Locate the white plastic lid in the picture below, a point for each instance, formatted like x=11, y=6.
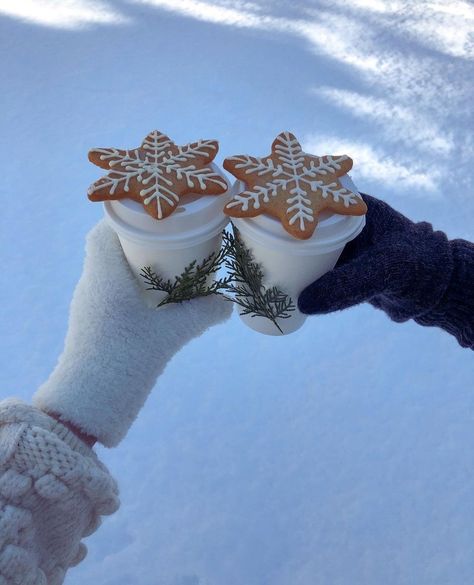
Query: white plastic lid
x=195, y=216
x=332, y=231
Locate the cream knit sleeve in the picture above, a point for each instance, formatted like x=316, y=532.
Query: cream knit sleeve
x=53, y=490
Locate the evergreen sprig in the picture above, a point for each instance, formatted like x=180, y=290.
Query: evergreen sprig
x=193, y=282
x=246, y=283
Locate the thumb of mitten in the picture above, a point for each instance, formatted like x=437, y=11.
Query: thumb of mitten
x=106, y=272
x=346, y=285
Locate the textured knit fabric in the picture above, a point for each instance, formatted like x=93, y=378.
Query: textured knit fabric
x=53, y=490
x=404, y=268
x=116, y=346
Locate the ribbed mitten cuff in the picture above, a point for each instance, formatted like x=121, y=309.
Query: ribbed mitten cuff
x=455, y=311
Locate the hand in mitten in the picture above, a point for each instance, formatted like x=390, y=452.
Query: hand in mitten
x=404, y=268
x=116, y=346
x=53, y=490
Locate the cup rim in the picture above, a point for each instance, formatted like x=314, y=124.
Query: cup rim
x=175, y=241
x=299, y=247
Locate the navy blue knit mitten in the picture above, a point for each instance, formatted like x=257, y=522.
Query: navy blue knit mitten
x=404, y=268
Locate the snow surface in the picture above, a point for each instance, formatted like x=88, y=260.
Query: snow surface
x=341, y=454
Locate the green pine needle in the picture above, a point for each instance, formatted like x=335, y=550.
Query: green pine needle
x=192, y=283
x=246, y=283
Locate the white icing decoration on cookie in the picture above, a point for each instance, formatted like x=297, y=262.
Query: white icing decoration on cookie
x=155, y=168
x=291, y=175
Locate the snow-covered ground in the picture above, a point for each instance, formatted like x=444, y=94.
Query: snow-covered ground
x=340, y=454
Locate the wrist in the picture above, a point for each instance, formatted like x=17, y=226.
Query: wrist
x=89, y=440
x=455, y=310
x=418, y=272
x=426, y=271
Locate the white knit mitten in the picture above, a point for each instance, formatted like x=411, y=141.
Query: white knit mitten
x=116, y=346
x=53, y=490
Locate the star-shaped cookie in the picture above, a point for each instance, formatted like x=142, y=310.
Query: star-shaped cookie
x=157, y=173
x=292, y=186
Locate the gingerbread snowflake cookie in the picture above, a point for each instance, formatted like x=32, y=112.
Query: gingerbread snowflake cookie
x=157, y=173
x=292, y=186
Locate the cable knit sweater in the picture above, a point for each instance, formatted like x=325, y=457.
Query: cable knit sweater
x=53, y=490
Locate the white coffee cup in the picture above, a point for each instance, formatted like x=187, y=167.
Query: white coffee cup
x=192, y=232
x=292, y=264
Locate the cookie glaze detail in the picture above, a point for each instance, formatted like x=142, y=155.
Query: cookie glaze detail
x=292, y=186
x=157, y=173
